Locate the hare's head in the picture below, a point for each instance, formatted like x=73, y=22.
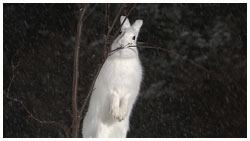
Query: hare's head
x=127, y=38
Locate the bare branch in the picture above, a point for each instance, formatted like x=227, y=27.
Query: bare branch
x=92, y=10
x=76, y=118
x=34, y=117
x=104, y=30
x=116, y=18
x=217, y=76
x=108, y=15
x=31, y=115
x=13, y=74
x=114, y=51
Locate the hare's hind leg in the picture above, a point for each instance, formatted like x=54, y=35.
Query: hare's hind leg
x=118, y=130
x=89, y=131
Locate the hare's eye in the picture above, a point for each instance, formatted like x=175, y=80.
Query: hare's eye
x=133, y=38
x=120, y=32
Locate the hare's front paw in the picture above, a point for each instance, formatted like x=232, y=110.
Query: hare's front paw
x=122, y=113
x=118, y=113
x=115, y=104
x=114, y=111
x=118, y=106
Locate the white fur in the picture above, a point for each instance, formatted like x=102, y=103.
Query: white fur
x=116, y=88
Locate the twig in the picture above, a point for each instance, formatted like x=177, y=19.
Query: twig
x=13, y=74
x=6, y=94
x=76, y=116
x=104, y=30
x=35, y=118
x=92, y=10
x=111, y=28
x=105, y=19
x=114, y=51
x=108, y=16
x=116, y=18
x=182, y=57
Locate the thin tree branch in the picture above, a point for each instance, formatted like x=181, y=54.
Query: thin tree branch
x=114, y=51
x=111, y=28
x=105, y=19
x=108, y=16
x=92, y=10
x=116, y=18
x=201, y=67
x=31, y=115
x=104, y=30
x=34, y=117
x=76, y=116
x=13, y=74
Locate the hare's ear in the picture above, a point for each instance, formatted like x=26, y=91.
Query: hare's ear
x=126, y=23
x=137, y=25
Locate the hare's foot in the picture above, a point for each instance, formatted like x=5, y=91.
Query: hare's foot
x=119, y=107
x=123, y=111
x=114, y=111
x=115, y=104
x=118, y=113
x=122, y=114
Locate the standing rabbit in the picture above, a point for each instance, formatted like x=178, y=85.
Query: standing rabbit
x=116, y=87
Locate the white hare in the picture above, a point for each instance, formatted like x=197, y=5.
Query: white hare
x=116, y=87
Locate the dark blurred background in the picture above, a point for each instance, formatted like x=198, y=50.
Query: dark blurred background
x=177, y=99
